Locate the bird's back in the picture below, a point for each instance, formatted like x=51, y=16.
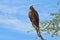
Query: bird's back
x=33, y=15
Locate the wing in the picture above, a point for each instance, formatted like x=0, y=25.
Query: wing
x=34, y=17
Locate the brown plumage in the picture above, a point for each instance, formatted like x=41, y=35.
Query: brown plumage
x=34, y=18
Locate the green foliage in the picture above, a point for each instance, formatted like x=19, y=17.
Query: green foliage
x=51, y=27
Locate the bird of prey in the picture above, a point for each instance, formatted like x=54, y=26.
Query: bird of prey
x=34, y=18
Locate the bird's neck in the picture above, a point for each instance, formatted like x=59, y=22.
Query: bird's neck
x=31, y=10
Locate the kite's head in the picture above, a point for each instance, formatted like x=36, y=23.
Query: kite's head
x=31, y=7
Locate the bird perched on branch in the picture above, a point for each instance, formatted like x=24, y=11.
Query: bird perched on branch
x=34, y=18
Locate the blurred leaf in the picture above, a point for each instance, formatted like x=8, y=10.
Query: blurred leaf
x=30, y=31
x=53, y=14
x=58, y=2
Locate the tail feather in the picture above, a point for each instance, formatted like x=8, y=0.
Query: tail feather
x=38, y=32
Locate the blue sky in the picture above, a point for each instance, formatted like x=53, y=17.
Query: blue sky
x=14, y=21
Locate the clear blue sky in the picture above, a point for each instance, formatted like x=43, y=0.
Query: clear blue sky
x=14, y=21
